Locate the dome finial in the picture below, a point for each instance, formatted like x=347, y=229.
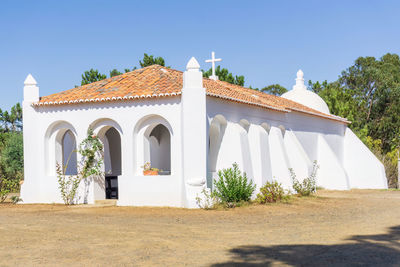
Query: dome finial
x=300, y=74
x=300, y=81
x=301, y=95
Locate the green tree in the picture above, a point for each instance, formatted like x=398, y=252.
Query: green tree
x=16, y=117
x=338, y=99
x=11, y=121
x=151, y=60
x=274, y=89
x=91, y=76
x=224, y=75
x=11, y=155
x=4, y=120
x=368, y=94
x=115, y=72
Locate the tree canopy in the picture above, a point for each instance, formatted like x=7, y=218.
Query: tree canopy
x=368, y=94
x=151, y=60
x=91, y=76
x=224, y=75
x=274, y=89
x=11, y=121
x=115, y=72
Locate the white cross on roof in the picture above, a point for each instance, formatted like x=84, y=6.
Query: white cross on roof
x=213, y=60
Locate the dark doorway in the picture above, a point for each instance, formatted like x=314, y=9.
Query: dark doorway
x=111, y=187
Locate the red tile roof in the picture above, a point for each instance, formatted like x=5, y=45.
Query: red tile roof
x=158, y=81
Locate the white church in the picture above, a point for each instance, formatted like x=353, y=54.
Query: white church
x=188, y=127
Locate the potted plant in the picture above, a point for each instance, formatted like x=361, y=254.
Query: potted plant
x=148, y=170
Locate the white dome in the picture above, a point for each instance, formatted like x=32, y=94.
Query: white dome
x=301, y=95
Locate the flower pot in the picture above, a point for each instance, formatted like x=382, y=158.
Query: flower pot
x=150, y=172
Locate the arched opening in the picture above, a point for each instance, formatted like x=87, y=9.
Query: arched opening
x=216, y=133
x=159, y=141
x=153, y=138
x=109, y=132
x=60, y=148
x=69, y=154
x=112, y=161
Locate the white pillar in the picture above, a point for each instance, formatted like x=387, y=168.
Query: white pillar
x=30, y=189
x=31, y=90
x=194, y=132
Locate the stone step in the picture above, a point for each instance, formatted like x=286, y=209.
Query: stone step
x=106, y=202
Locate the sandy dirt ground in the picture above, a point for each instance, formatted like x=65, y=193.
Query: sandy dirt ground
x=359, y=227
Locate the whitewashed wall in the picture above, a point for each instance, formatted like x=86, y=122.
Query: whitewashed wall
x=40, y=186
x=294, y=141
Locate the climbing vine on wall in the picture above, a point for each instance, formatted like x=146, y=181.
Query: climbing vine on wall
x=91, y=164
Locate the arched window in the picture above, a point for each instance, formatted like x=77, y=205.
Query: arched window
x=216, y=134
x=60, y=148
x=112, y=152
x=69, y=152
x=153, y=137
x=160, y=149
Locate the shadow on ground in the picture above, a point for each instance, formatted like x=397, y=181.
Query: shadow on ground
x=360, y=250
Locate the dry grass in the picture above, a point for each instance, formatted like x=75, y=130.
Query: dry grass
x=334, y=228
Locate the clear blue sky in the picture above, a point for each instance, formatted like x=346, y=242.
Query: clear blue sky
x=266, y=41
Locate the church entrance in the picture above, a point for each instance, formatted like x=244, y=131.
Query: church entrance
x=111, y=185
x=112, y=162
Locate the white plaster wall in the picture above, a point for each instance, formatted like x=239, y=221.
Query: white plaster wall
x=230, y=150
x=297, y=157
x=265, y=158
x=261, y=154
x=307, y=138
x=307, y=128
x=330, y=174
x=362, y=167
x=279, y=160
x=42, y=187
x=260, y=157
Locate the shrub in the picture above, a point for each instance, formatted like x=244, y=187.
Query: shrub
x=207, y=201
x=68, y=185
x=309, y=184
x=271, y=192
x=232, y=187
x=7, y=185
x=16, y=199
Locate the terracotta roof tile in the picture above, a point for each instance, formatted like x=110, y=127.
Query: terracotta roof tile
x=158, y=81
